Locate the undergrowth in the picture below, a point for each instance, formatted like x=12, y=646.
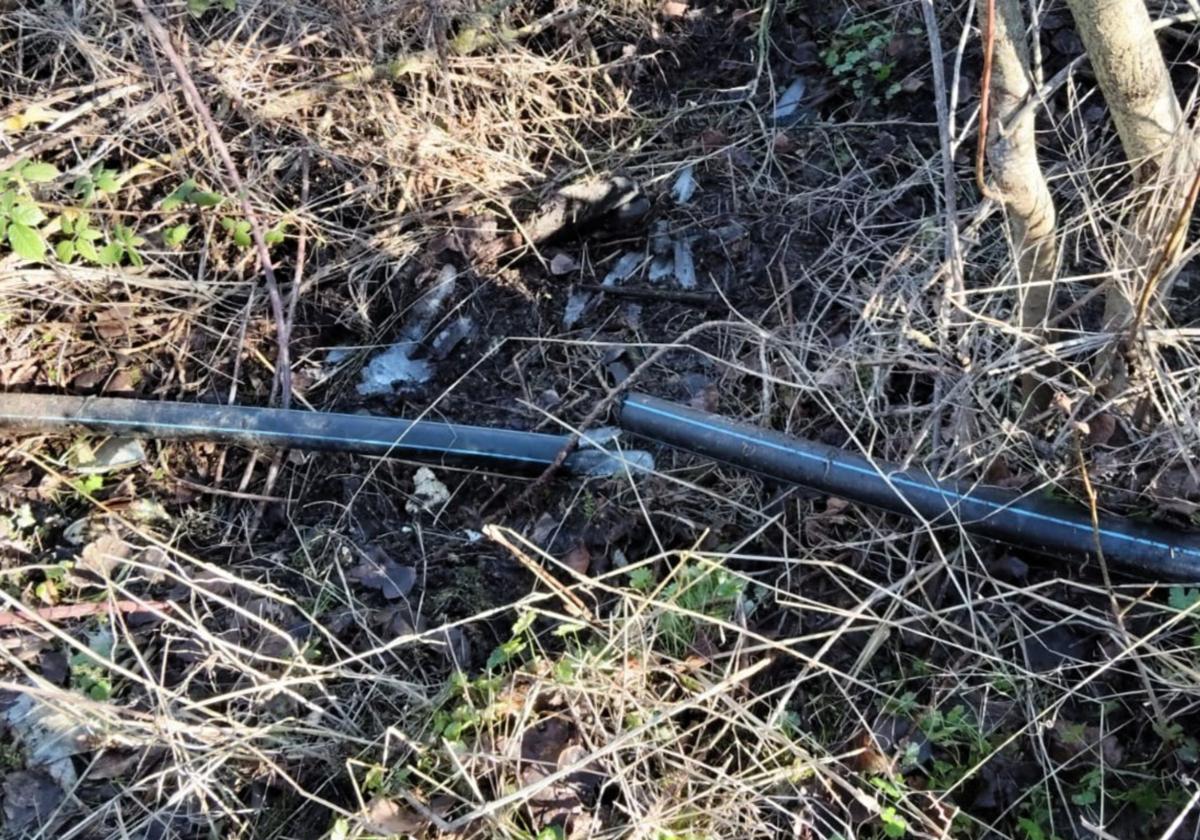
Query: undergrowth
x=208, y=641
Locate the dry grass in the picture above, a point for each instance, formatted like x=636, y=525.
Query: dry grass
x=768, y=664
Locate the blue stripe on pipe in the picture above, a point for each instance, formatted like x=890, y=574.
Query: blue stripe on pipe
x=192, y=427
x=903, y=481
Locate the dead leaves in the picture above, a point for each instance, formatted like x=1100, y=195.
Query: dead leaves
x=388, y=817
x=1070, y=740
x=547, y=747
x=387, y=577
x=30, y=798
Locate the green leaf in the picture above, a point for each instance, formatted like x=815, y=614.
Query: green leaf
x=176, y=199
x=1085, y=797
x=85, y=188
x=86, y=249
x=89, y=235
x=36, y=172
x=90, y=484
x=1178, y=598
x=106, y=180
x=100, y=690
x=65, y=250
x=205, y=199
x=111, y=254
x=66, y=224
x=46, y=592
x=240, y=230
x=524, y=622
x=173, y=237
x=505, y=652
x=26, y=242
x=27, y=214
x=894, y=825
x=196, y=8
x=276, y=234
x=1033, y=831
x=229, y=5
x=641, y=579
x=373, y=781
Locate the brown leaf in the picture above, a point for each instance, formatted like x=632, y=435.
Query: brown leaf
x=835, y=505
x=712, y=139
x=706, y=399
x=997, y=471
x=1070, y=739
x=578, y=559
x=113, y=764
x=386, y=577
x=386, y=817
x=88, y=380
x=673, y=8
x=1101, y=429
x=563, y=263
x=102, y=555
x=121, y=383
x=30, y=797
x=545, y=748
x=110, y=324
x=1008, y=566
x=54, y=667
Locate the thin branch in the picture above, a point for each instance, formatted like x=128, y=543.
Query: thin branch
x=985, y=93
x=283, y=366
x=65, y=612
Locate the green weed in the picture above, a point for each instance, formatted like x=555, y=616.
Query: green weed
x=857, y=58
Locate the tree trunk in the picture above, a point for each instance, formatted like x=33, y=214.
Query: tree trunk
x=1018, y=179
x=1133, y=77
x=1129, y=66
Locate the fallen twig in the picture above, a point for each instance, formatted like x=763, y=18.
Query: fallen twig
x=605, y=402
x=572, y=601
x=704, y=300
x=12, y=618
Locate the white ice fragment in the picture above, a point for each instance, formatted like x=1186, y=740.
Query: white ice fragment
x=577, y=304
x=428, y=494
x=114, y=454
x=397, y=364
x=685, y=185
x=624, y=268
x=685, y=268
x=601, y=463
x=789, y=102
x=660, y=269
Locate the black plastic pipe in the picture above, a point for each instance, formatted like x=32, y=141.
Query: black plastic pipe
x=1040, y=524
x=420, y=440
x=1022, y=520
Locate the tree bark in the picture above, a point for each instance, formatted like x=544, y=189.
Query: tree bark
x=1018, y=180
x=1133, y=77
x=1129, y=66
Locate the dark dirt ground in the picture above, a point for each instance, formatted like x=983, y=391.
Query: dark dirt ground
x=520, y=363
